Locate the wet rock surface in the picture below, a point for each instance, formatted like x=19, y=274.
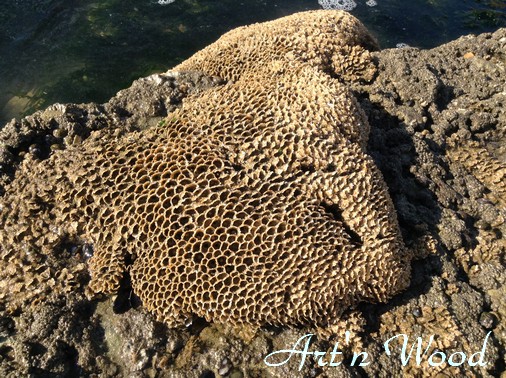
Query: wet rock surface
x=438, y=134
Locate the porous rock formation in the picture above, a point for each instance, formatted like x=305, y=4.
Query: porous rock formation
x=333, y=42
x=436, y=119
x=254, y=203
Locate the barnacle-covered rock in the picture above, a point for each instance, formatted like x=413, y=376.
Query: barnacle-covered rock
x=255, y=203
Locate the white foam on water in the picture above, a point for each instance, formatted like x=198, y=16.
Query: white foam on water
x=371, y=3
x=165, y=2
x=346, y=5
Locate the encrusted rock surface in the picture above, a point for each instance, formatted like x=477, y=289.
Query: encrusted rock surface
x=437, y=134
x=253, y=204
x=144, y=104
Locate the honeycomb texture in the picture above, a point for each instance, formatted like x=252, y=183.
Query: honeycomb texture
x=255, y=203
x=487, y=168
x=334, y=42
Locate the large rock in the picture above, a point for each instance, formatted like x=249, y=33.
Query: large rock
x=437, y=134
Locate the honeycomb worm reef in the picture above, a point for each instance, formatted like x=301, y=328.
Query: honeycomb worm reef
x=254, y=203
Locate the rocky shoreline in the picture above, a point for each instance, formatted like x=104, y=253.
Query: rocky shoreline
x=438, y=134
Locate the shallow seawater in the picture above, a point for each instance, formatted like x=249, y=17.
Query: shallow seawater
x=81, y=51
